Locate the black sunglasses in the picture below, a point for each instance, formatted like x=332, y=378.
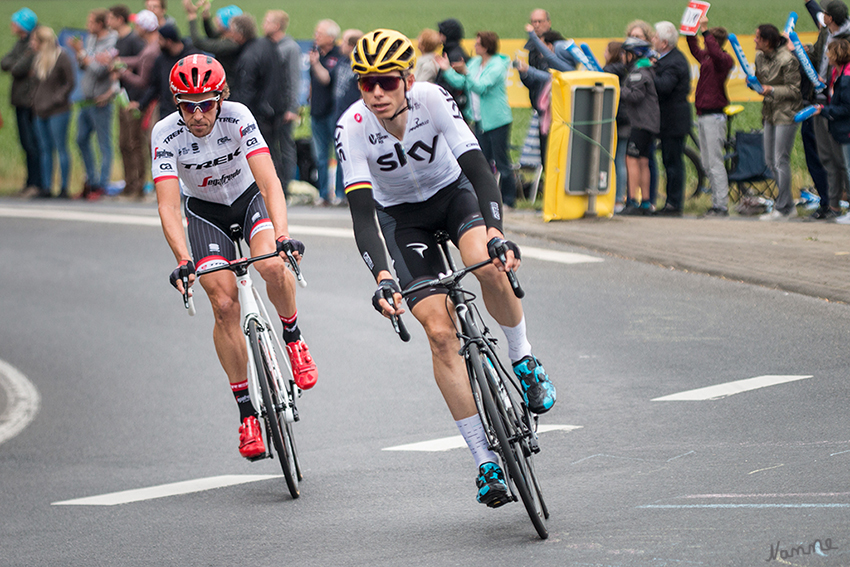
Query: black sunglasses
x=387, y=82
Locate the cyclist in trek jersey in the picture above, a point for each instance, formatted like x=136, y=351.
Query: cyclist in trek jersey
x=410, y=161
x=215, y=149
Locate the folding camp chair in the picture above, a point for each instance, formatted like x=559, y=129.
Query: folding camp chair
x=748, y=173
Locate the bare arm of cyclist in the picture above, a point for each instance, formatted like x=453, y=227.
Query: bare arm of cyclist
x=168, y=199
x=262, y=168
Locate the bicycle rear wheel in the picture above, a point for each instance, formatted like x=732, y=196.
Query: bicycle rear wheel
x=513, y=446
x=279, y=428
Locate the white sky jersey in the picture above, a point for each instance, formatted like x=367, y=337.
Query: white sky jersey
x=409, y=170
x=213, y=168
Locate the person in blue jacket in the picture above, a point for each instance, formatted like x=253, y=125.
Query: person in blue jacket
x=483, y=78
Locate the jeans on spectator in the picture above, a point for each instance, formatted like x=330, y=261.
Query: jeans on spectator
x=672, y=149
x=278, y=136
x=323, y=131
x=817, y=171
x=845, y=148
x=95, y=119
x=494, y=143
x=778, y=143
x=620, y=168
x=131, y=143
x=712, y=139
x=53, y=137
x=832, y=158
x=28, y=136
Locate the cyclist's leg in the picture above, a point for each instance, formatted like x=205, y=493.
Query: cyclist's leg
x=506, y=309
x=211, y=246
x=228, y=337
x=499, y=298
x=452, y=379
x=280, y=287
x=449, y=368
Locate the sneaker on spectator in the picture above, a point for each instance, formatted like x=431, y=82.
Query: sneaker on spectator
x=775, y=215
x=715, y=212
x=303, y=368
x=843, y=219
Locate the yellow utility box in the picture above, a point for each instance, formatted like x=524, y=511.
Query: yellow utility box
x=582, y=143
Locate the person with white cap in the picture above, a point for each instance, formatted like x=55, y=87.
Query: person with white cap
x=18, y=62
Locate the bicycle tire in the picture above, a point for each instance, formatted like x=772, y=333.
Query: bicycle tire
x=277, y=425
x=520, y=428
x=506, y=435
x=697, y=172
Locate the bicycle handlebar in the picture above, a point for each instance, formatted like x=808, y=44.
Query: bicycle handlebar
x=447, y=280
x=238, y=265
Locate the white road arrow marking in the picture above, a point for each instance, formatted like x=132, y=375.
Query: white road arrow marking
x=22, y=401
x=457, y=442
x=163, y=490
x=729, y=388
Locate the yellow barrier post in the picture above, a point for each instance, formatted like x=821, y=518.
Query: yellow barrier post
x=579, y=166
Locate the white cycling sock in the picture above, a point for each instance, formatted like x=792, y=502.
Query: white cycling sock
x=518, y=345
x=473, y=433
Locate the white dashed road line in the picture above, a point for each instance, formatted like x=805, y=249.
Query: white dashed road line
x=729, y=388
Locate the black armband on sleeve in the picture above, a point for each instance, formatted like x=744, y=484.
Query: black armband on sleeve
x=477, y=170
x=366, y=231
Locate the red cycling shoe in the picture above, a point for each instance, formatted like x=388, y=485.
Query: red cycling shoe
x=303, y=367
x=251, y=438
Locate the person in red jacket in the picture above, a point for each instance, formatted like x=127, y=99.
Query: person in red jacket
x=711, y=98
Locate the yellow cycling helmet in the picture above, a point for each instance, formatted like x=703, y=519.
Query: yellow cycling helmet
x=382, y=51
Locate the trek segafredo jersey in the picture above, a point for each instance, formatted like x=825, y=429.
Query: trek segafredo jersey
x=409, y=170
x=213, y=168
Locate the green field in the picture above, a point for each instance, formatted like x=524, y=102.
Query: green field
x=605, y=18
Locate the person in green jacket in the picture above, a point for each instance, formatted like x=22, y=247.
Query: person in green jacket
x=483, y=78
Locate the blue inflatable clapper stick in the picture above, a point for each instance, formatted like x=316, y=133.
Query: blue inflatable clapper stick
x=752, y=81
x=594, y=64
x=806, y=113
x=577, y=53
x=805, y=63
x=791, y=22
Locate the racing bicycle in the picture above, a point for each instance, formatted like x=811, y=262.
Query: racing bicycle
x=510, y=427
x=270, y=384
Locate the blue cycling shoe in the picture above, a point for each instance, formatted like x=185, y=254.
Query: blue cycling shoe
x=537, y=390
x=492, y=490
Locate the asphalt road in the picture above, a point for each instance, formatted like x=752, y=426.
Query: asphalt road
x=131, y=396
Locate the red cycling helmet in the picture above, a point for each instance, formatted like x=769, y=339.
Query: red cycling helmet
x=197, y=74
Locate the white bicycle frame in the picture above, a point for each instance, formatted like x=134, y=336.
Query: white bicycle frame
x=252, y=308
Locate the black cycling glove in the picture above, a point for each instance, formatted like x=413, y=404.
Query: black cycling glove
x=293, y=245
x=184, y=269
x=498, y=246
x=386, y=286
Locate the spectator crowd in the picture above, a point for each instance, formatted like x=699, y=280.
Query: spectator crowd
x=123, y=64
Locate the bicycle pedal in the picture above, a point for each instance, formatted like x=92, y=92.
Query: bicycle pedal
x=265, y=455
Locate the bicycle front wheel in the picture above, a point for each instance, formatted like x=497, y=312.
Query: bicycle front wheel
x=502, y=419
x=279, y=428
